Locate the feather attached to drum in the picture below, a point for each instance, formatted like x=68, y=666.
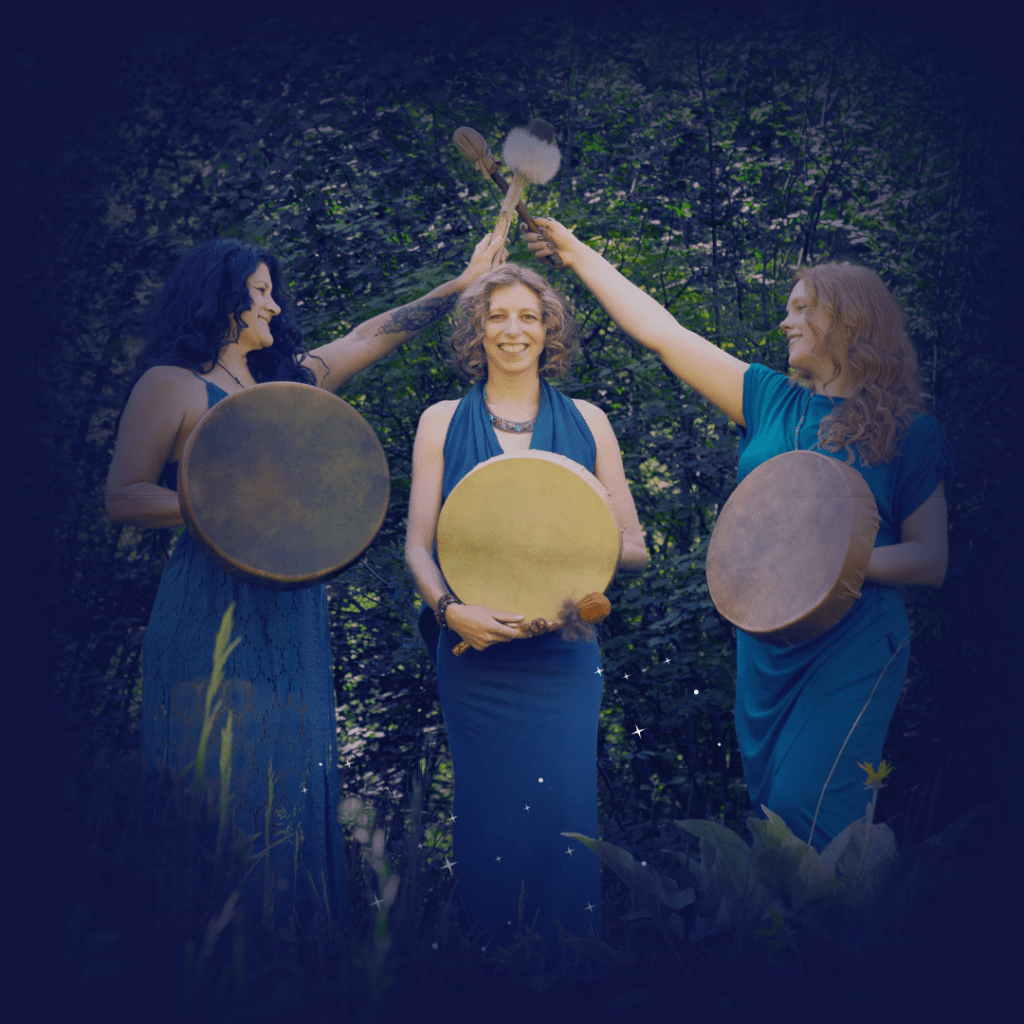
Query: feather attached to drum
x=788, y=554
x=283, y=484
x=535, y=533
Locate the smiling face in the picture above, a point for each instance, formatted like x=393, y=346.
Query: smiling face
x=255, y=333
x=806, y=327
x=514, y=331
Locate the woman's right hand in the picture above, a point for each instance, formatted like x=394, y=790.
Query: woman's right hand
x=555, y=239
x=480, y=627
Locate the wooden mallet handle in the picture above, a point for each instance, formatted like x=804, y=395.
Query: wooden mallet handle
x=470, y=143
x=592, y=608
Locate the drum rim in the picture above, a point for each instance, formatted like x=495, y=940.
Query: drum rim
x=234, y=567
x=553, y=458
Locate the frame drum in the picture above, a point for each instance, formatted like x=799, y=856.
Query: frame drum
x=789, y=551
x=522, y=532
x=283, y=484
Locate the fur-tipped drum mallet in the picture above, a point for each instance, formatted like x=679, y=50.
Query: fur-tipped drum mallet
x=470, y=143
x=576, y=621
x=534, y=158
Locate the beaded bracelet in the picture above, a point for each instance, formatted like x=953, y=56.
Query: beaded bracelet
x=442, y=608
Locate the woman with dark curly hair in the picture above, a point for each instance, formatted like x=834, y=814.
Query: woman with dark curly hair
x=807, y=714
x=521, y=713
x=223, y=324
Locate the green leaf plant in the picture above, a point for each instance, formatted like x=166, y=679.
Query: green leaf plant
x=754, y=892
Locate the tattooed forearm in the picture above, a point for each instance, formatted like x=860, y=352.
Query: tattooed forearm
x=418, y=315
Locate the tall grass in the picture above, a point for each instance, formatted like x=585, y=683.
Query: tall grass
x=163, y=909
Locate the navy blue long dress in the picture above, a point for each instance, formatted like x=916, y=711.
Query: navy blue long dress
x=795, y=705
x=279, y=686
x=522, y=727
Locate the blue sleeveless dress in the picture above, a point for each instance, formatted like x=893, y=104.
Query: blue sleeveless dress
x=279, y=686
x=796, y=705
x=522, y=727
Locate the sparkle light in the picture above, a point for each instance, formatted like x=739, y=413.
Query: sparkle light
x=637, y=731
x=450, y=865
x=589, y=906
x=696, y=692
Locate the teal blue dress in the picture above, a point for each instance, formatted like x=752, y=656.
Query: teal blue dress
x=280, y=688
x=796, y=705
x=522, y=728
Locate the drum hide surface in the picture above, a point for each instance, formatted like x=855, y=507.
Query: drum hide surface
x=283, y=484
x=790, y=548
x=522, y=532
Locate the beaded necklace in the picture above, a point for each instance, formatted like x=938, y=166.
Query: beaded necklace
x=509, y=426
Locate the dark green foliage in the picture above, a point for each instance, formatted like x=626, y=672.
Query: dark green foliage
x=706, y=160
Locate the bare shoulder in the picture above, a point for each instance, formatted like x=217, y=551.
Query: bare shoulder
x=594, y=416
x=435, y=418
x=168, y=381
x=166, y=399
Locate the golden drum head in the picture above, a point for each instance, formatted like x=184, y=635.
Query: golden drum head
x=789, y=551
x=522, y=532
x=283, y=484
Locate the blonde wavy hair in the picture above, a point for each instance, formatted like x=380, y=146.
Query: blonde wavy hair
x=467, y=341
x=866, y=321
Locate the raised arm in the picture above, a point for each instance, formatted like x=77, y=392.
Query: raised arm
x=717, y=375
x=480, y=626
x=338, y=360
x=923, y=551
x=608, y=469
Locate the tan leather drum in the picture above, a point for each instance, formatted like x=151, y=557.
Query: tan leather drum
x=789, y=551
x=283, y=484
x=522, y=532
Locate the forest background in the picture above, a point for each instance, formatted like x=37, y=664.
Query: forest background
x=707, y=154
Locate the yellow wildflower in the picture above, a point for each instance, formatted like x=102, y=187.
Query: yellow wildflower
x=875, y=779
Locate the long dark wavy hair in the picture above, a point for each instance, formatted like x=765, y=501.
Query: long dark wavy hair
x=193, y=317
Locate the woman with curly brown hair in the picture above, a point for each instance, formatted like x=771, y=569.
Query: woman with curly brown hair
x=807, y=714
x=521, y=712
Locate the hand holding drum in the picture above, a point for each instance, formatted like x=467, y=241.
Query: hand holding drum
x=536, y=532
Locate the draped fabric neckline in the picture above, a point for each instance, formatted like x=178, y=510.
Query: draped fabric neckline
x=471, y=439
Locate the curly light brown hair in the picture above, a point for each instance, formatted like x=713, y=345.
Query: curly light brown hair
x=467, y=341
x=866, y=321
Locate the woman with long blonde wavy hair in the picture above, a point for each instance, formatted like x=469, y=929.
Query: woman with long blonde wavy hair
x=806, y=715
